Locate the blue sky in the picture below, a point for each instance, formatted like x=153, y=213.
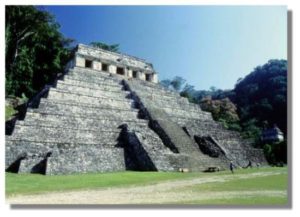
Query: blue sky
x=206, y=45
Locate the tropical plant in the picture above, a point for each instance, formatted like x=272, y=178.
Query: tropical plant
x=112, y=47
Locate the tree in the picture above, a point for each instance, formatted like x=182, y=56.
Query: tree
x=35, y=50
x=165, y=83
x=113, y=47
x=222, y=110
x=189, y=92
x=262, y=95
x=177, y=83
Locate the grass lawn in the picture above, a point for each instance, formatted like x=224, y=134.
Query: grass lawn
x=32, y=183
x=265, y=190
x=263, y=186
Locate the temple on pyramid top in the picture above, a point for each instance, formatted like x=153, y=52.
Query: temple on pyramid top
x=112, y=62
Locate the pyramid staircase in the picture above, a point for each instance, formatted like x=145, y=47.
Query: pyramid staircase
x=197, y=123
x=92, y=121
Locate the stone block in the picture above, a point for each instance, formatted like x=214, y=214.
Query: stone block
x=79, y=61
x=112, y=69
x=97, y=65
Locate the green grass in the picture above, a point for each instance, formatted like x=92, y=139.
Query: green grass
x=240, y=201
x=9, y=112
x=272, y=182
x=32, y=183
x=233, y=183
x=242, y=186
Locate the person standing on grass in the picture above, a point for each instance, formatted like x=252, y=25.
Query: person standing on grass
x=231, y=167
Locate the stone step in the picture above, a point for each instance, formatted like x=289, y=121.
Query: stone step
x=58, y=107
x=51, y=120
x=87, y=161
x=95, y=80
x=157, y=95
x=92, y=81
x=88, y=78
x=67, y=135
x=182, y=120
x=61, y=85
x=152, y=149
x=72, y=156
x=183, y=107
x=85, y=105
x=139, y=88
x=175, y=116
x=217, y=133
x=94, y=74
x=55, y=94
x=189, y=107
x=163, y=104
x=104, y=87
x=33, y=115
x=40, y=148
x=185, y=113
x=152, y=87
x=200, y=126
x=234, y=143
x=196, y=122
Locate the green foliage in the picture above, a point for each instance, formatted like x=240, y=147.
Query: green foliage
x=262, y=95
x=176, y=83
x=35, y=50
x=179, y=84
x=9, y=112
x=166, y=83
x=113, y=47
x=222, y=110
x=188, y=91
x=276, y=153
x=251, y=130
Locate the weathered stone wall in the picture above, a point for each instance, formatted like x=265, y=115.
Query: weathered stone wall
x=99, y=59
x=113, y=57
x=64, y=158
x=79, y=61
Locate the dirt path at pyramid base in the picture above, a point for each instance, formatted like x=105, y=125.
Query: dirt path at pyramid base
x=167, y=192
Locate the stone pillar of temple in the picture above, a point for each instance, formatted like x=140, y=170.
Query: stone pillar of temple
x=79, y=61
x=154, y=78
x=112, y=69
x=129, y=73
x=141, y=75
x=97, y=65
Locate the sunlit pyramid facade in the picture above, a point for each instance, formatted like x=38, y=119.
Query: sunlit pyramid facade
x=109, y=113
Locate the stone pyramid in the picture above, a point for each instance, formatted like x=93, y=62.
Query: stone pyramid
x=109, y=114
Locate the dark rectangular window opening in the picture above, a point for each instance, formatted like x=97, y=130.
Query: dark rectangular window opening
x=88, y=64
x=104, y=67
x=148, y=77
x=120, y=71
x=134, y=74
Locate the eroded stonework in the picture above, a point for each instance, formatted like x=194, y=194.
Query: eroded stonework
x=96, y=120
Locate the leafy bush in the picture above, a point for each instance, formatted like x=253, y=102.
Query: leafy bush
x=276, y=153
